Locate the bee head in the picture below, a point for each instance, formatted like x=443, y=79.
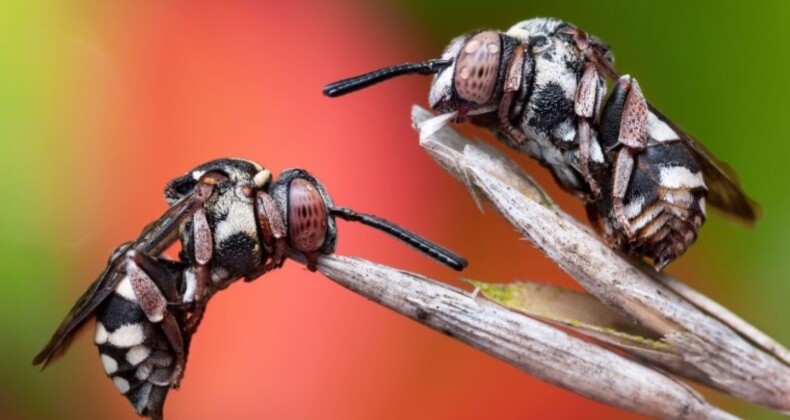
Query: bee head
x=309, y=216
x=468, y=78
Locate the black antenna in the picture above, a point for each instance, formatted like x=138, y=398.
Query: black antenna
x=444, y=256
x=368, y=79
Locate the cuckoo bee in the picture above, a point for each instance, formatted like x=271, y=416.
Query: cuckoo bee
x=233, y=222
x=541, y=87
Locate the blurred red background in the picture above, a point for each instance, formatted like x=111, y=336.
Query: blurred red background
x=169, y=86
x=159, y=88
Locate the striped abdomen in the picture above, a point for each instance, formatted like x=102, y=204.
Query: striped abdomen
x=664, y=204
x=135, y=352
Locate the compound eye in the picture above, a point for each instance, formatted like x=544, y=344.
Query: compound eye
x=307, y=216
x=477, y=67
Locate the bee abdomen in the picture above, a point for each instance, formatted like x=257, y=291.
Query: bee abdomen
x=135, y=353
x=665, y=230
x=665, y=203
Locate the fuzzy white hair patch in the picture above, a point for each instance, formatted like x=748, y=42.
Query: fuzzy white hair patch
x=127, y=335
x=680, y=177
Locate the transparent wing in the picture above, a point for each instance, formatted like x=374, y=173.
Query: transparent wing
x=724, y=190
x=154, y=239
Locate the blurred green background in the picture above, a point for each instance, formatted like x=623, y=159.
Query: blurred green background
x=718, y=69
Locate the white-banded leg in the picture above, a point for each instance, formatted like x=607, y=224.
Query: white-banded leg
x=513, y=79
x=588, y=98
x=154, y=305
x=272, y=229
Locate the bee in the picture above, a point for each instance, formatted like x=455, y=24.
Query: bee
x=233, y=222
x=541, y=88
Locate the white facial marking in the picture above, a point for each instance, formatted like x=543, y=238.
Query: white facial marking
x=127, y=336
x=191, y=283
x=100, y=337
x=262, y=178
x=121, y=383
x=659, y=130
x=196, y=175
x=137, y=354
x=124, y=290
x=702, y=206
x=680, y=177
x=110, y=365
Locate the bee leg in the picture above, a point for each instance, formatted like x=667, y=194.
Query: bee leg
x=633, y=124
x=312, y=260
x=272, y=231
x=595, y=50
x=624, y=117
x=624, y=125
x=513, y=78
x=154, y=304
x=588, y=100
x=624, y=167
x=204, y=249
x=585, y=144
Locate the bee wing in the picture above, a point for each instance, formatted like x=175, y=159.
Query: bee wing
x=153, y=240
x=724, y=190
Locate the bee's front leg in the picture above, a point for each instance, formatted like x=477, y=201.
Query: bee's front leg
x=513, y=82
x=273, y=234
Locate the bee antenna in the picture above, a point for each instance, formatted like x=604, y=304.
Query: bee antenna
x=438, y=253
x=368, y=79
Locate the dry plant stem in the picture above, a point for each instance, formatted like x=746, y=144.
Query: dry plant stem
x=530, y=345
x=724, y=315
x=733, y=363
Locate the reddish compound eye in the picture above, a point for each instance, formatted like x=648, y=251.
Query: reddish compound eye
x=477, y=67
x=307, y=216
